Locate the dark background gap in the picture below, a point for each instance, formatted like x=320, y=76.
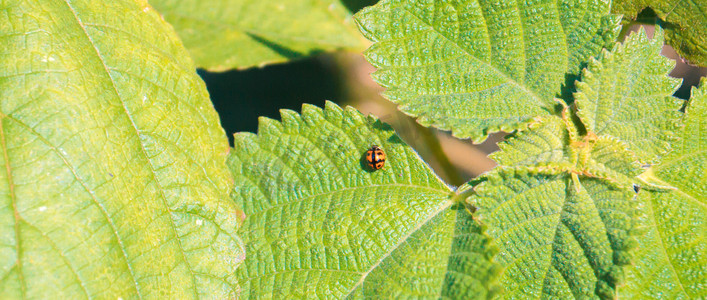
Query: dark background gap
x=240, y=97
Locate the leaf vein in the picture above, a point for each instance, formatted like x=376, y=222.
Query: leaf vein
x=142, y=147
x=400, y=242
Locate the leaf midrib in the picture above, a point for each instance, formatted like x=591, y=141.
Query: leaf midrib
x=142, y=152
x=494, y=68
x=663, y=248
x=667, y=182
x=365, y=274
x=439, y=191
x=563, y=211
x=13, y=199
x=83, y=184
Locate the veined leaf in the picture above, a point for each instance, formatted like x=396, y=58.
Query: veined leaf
x=559, y=237
x=627, y=94
x=560, y=207
x=673, y=251
x=544, y=141
x=114, y=182
x=321, y=224
x=222, y=35
x=551, y=144
x=685, y=28
x=478, y=66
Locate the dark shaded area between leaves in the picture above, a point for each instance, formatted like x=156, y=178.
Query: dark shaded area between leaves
x=240, y=97
x=355, y=5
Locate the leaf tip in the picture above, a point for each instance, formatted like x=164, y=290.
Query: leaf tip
x=268, y=126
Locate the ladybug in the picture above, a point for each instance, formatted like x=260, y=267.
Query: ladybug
x=375, y=157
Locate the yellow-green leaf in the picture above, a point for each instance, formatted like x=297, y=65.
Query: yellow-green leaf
x=673, y=250
x=113, y=181
x=222, y=35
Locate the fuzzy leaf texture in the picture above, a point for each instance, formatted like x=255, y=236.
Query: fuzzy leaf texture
x=626, y=93
x=223, y=34
x=685, y=23
x=321, y=224
x=113, y=182
x=476, y=66
x=560, y=207
x=672, y=258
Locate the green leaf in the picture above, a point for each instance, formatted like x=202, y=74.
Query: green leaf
x=114, y=182
x=223, y=34
x=560, y=206
x=550, y=144
x=673, y=251
x=544, y=141
x=626, y=94
x=559, y=236
x=473, y=67
x=321, y=224
x=686, y=23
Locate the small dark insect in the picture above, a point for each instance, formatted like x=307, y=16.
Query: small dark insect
x=375, y=157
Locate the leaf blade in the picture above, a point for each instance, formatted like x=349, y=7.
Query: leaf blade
x=558, y=236
x=560, y=207
x=615, y=86
x=97, y=187
x=315, y=209
x=673, y=249
x=224, y=35
x=475, y=67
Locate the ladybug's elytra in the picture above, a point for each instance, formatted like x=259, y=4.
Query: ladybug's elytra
x=375, y=157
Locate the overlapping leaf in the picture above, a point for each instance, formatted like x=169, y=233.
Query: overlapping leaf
x=114, y=183
x=560, y=209
x=559, y=237
x=478, y=66
x=673, y=250
x=627, y=94
x=685, y=24
x=551, y=144
x=321, y=224
x=223, y=34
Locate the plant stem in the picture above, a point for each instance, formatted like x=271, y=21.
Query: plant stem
x=434, y=147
